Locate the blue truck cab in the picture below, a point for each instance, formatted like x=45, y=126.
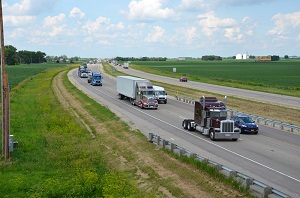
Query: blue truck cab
x=96, y=79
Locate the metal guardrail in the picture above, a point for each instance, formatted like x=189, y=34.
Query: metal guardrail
x=256, y=187
x=257, y=119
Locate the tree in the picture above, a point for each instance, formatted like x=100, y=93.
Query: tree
x=11, y=55
x=286, y=57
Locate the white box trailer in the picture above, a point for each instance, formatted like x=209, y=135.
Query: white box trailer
x=126, y=86
x=138, y=90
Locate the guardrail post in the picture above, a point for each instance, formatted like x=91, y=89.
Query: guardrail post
x=158, y=140
x=162, y=143
x=260, y=190
x=215, y=165
x=173, y=146
x=245, y=180
x=191, y=155
x=150, y=137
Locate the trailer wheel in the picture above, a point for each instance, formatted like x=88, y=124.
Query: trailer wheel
x=212, y=135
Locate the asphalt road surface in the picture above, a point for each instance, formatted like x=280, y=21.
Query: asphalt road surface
x=272, y=156
x=282, y=100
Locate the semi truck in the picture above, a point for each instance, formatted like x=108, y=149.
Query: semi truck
x=95, y=78
x=139, y=91
x=160, y=94
x=210, y=118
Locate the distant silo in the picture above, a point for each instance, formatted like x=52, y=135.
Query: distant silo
x=245, y=56
x=239, y=56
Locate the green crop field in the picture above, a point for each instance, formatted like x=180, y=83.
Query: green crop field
x=18, y=73
x=280, y=74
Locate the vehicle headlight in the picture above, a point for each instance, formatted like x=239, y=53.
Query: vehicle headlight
x=244, y=126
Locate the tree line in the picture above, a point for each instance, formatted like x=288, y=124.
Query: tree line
x=118, y=58
x=14, y=57
x=211, y=58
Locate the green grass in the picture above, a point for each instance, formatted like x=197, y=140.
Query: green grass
x=18, y=73
x=275, y=112
x=280, y=77
x=56, y=157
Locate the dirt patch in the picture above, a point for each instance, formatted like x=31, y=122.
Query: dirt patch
x=154, y=169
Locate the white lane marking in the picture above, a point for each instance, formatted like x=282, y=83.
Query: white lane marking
x=210, y=142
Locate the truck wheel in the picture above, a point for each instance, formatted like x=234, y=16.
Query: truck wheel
x=189, y=128
x=234, y=139
x=165, y=101
x=184, y=125
x=212, y=135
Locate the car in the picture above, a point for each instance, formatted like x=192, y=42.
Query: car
x=246, y=124
x=183, y=79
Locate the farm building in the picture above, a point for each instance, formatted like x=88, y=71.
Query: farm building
x=239, y=56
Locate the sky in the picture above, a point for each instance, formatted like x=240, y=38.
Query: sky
x=153, y=28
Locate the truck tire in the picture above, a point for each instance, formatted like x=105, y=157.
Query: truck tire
x=184, y=124
x=212, y=135
x=234, y=139
x=165, y=101
x=189, y=128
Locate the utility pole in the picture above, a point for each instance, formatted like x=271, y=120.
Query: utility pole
x=5, y=95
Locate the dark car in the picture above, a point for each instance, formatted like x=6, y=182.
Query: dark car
x=183, y=79
x=246, y=124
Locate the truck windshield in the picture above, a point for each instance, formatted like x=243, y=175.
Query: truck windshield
x=97, y=78
x=160, y=92
x=148, y=93
x=218, y=114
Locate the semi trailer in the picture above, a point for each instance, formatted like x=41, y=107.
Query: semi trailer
x=210, y=118
x=139, y=91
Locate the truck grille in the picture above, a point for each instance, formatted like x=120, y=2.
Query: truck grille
x=227, y=126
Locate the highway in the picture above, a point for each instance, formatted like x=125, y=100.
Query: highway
x=271, y=157
x=288, y=101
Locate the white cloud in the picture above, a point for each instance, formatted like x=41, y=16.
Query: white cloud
x=30, y=7
x=156, y=35
x=53, y=21
x=104, y=42
x=241, y=2
x=18, y=20
x=191, y=34
x=118, y=26
x=76, y=13
x=234, y=35
x=193, y=5
x=285, y=24
x=149, y=10
x=17, y=33
x=88, y=39
x=210, y=23
x=92, y=27
x=55, y=25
